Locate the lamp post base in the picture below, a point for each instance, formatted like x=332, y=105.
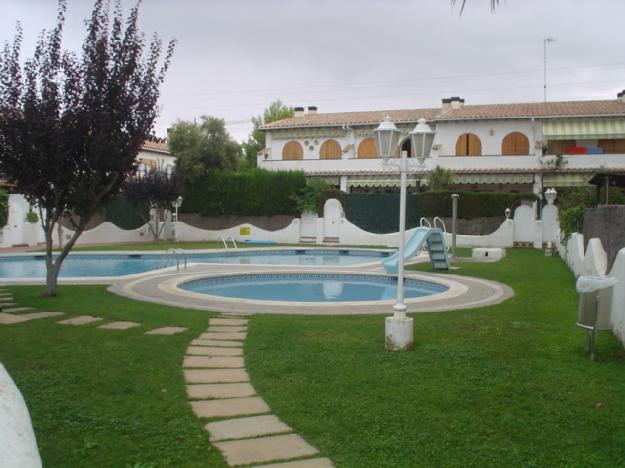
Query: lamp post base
x=399, y=333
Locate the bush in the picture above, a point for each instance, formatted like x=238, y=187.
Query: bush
x=572, y=220
x=4, y=208
x=32, y=217
x=254, y=192
x=471, y=204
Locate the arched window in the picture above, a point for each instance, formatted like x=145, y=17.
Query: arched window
x=292, y=151
x=468, y=144
x=367, y=149
x=515, y=144
x=330, y=149
x=404, y=145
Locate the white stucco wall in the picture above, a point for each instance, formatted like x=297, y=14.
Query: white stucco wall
x=18, y=446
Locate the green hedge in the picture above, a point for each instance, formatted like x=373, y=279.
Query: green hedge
x=379, y=212
x=471, y=204
x=4, y=208
x=126, y=215
x=254, y=192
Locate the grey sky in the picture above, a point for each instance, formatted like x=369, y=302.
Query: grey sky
x=236, y=56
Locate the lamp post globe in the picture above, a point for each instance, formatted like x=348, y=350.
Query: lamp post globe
x=421, y=139
x=386, y=138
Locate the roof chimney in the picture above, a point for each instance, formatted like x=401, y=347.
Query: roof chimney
x=446, y=104
x=312, y=110
x=457, y=102
x=298, y=112
x=621, y=96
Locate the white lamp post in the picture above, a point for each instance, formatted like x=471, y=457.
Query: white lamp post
x=550, y=195
x=399, y=329
x=178, y=204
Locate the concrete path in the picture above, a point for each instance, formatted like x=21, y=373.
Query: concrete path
x=239, y=422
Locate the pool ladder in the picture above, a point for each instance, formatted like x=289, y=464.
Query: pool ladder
x=226, y=244
x=177, y=254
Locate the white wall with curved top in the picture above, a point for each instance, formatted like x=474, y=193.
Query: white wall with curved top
x=18, y=445
x=242, y=232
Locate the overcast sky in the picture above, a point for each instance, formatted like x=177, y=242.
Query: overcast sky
x=236, y=56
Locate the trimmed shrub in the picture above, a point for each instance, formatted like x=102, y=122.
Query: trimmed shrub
x=471, y=204
x=254, y=192
x=4, y=208
x=572, y=220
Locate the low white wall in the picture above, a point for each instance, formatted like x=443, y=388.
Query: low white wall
x=288, y=235
x=594, y=262
x=106, y=233
x=18, y=446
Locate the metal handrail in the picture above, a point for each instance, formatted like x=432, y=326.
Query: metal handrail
x=233, y=242
x=224, y=242
x=441, y=222
x=424, y=221
x=177, y=253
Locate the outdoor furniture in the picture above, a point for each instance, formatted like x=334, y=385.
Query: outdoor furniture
x=589, y=310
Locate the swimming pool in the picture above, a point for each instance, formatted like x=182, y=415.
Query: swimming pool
x=107, y=265
x=310, y=287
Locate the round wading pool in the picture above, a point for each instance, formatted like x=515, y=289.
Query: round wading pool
x=310, y=287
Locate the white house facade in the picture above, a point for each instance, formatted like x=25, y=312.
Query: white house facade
x=511, y=147
x=156, y=154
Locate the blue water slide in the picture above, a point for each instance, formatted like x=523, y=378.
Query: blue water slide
x=432, y=238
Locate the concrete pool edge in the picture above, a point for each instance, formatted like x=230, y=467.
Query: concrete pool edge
x=465, y=292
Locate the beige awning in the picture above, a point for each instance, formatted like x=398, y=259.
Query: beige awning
x=566, y=180
x=493, y=178
x=584, y=129
x=373, y=181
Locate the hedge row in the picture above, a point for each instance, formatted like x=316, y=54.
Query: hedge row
x=254, y=192
x=4, y=208
x=471, y=204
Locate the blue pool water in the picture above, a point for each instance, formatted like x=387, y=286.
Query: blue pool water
x=22, y=266
x=310, y=287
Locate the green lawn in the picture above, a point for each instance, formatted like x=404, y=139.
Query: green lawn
x=506, y=385
x=106, y=397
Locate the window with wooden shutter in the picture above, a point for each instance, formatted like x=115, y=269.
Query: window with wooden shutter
x=330, y=149
x=559, y=147
x=612, y=146
x=468, y=144
x=292, y=151
x=367, y=149
x=515, y=144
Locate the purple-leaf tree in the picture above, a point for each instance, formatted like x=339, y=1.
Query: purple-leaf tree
x=72, y=124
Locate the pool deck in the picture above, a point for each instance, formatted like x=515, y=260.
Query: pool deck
x=463, y=293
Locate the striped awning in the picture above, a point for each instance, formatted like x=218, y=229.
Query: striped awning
x=583, y=129
x=493, y=178
x=373, y=181
x=566, y=180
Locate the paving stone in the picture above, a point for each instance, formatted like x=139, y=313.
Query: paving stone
x=213, y=361
x=17, y=309
x=262, y=449
x=214, y=351
x=229, y=407
x=80, y=320
x=166, y=331
x=228, y=321
x=220, y=390
x=310, y=463
x=220, y=343
x=223, y=336
x=8, y=319
x=220, y=329
x=7, y=304
x=215, y=375
x=244, y=428
x=119, y=325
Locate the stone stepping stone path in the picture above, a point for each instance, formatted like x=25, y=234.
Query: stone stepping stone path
x=166, y=331
x=17, y=309
x=240, y=423
x=80, y=320
x=119, y=325
x=9, y=319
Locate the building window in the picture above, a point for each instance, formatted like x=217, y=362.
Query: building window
x=292, y=151
x=330, y=149
x=614, y=146
x=515, y=144
x=468, y=144
x=559, y=147
x=367, y=149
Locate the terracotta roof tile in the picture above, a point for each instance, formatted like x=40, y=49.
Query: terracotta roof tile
x=614, y=107
x=155, y=146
